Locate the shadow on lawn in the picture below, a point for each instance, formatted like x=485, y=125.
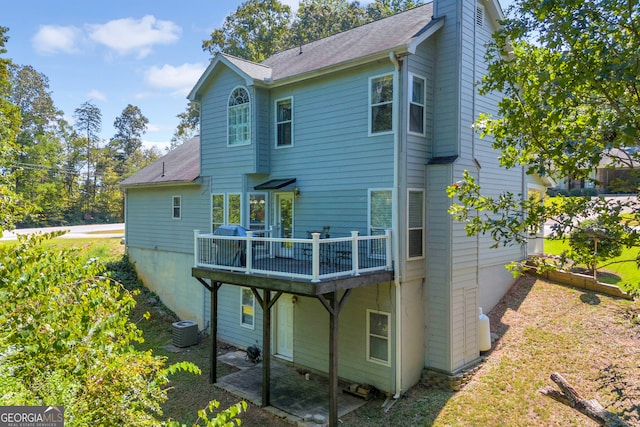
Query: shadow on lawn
x=511, y=301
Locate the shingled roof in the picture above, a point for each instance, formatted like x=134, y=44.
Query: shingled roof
x=398, y=33
x=179, y=166
x=395, y=32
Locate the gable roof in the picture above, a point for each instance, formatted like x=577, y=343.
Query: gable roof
x=399, y=33
x=396, y=32
x=179, y=166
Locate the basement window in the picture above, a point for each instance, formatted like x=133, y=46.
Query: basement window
x=378, y=340
x=248, y=307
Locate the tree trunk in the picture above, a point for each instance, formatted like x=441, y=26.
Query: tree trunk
x=591, y=408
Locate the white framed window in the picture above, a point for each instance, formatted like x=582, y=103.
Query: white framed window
x=378, y=337
x=239, y=117
x=176, y=211
x=380, y=212
x=415, y=225
x=380, y=104
x=247, y=308
x=225, y=209
x=258, y=211
x=217, y=211
x=284, y=122
x=417, y=97
x=234, y=209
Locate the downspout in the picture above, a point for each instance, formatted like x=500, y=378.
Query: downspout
x=396, y=222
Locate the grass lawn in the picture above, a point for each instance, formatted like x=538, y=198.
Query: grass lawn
x=591, y=339
x=620, y=270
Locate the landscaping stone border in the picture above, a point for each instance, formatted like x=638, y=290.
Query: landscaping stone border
x=581, y=281
x=449, y=382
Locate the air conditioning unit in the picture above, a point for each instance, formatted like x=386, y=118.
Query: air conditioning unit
x=185, y=333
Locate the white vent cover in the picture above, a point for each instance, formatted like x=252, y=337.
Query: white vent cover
x=185, y=333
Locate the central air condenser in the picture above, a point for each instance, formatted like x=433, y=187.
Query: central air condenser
x=185, y=333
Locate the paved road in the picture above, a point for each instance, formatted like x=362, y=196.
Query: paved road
x=73, y=232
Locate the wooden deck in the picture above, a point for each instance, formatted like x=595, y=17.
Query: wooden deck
x=246, y=259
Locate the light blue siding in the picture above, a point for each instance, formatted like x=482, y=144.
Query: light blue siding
x=149, y=222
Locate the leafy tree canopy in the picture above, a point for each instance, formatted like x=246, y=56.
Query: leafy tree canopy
x=568, y=72
x=10, y=121
x=255, y=31
x=130, y=126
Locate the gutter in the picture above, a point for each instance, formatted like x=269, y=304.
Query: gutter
x=396, y=222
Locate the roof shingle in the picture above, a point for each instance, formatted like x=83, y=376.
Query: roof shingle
x=180, y=165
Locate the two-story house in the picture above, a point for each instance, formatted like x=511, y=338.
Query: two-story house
x=334, y=158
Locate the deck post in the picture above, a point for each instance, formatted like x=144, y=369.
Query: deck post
x=333, y=361
x=315, y=257
x=333, y=306
x=355, y=256
x=249, y=252
x=389, y=252
x=266, y=349
x=196, y=253
x=213, y=375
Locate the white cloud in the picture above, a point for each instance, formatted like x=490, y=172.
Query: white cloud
x=52, y=39
x=96, y=95
x=181, y=78
x=128, y=35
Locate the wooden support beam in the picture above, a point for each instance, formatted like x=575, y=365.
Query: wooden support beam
x=213, y=362
x=333, y=304
x=213, y=356
x=266, y=349
x=266, y=302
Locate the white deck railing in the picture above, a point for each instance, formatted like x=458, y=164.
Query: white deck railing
x=313, y=259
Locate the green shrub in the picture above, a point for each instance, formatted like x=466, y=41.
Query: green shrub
x=594, y=241
x=66, y=340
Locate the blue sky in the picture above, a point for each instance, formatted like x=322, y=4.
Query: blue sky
x=142, y=52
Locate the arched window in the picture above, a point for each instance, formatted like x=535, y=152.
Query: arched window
x=239, y=113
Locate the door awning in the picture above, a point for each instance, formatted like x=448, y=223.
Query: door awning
x=275, y=184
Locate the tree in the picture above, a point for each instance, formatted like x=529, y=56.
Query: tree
x=89, y=124
x=382, y=8
x=189, y=124
x=568, y=71
x=130, y=126
x=39, y=175
x=255, y=31
x=10, y=120
x=322, y=18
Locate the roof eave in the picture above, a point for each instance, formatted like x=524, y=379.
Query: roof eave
x=194, y=182
x=378, y=56
x=219, y=58
x=431, y=29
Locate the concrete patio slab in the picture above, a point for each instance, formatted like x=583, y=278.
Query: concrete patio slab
x=303, y=397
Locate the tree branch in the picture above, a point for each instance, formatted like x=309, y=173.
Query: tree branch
x=591, y=408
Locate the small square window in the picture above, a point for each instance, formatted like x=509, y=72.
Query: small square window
x=177, y=207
